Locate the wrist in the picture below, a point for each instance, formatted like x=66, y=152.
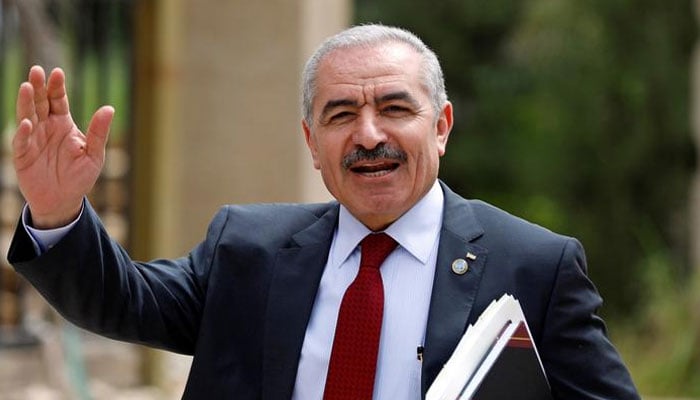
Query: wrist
x=56, y=219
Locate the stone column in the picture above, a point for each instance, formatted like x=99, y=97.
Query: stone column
x=239, y=137
x=217, y=120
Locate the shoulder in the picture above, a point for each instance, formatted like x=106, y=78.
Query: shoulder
x=502, y=228
x=265, y=222
x=505, y=234
x=497, y=220
x=489, y=220
x=264, y=211
x=275, y=212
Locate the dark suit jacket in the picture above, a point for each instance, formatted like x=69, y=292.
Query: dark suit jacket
x=241, y=300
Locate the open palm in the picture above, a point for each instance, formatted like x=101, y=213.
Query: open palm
x=56, y=164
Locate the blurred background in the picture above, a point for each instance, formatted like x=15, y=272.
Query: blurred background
x=580, y=116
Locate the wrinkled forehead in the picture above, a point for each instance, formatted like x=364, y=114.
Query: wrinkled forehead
x=369, y=70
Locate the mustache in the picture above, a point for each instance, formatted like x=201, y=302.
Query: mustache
x=381, y=151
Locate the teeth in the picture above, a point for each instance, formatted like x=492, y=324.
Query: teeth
x=376, y=174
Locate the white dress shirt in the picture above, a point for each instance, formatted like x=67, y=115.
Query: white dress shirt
x=407, y=275
x=44, y=239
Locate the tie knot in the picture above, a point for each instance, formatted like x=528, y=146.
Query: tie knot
x=375, y=247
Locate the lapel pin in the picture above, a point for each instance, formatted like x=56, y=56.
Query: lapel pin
x=460, y=266
x=471, y=256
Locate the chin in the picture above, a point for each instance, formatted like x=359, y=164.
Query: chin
x=382, y=210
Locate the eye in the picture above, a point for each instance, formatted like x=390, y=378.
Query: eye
x=340, y=116
x=395, y=109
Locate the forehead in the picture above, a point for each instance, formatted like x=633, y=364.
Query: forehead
x=379, y=68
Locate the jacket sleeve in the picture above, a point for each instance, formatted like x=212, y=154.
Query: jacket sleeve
x=92, y=282
x=580, y=361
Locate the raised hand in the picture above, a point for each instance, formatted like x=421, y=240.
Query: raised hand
x=56, y=164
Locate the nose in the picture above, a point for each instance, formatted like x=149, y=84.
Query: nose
x=368, y=133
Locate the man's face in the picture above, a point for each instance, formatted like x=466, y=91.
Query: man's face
x=372, y=99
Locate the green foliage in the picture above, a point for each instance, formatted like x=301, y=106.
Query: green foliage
x=11, y=78
x=662, y=346
x=99, y=84
x=571, y=114
x=94, y=52
x=575, y=115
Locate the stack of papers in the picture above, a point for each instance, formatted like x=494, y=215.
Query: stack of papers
x=496, y=359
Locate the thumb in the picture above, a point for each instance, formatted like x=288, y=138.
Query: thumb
x=98, y=131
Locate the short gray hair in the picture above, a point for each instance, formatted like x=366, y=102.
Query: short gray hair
x=367, y=36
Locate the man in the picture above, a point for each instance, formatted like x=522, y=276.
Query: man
x=258, y=301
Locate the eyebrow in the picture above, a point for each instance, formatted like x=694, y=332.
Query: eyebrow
x=400, y=95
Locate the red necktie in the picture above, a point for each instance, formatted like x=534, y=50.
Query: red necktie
x=354, y=356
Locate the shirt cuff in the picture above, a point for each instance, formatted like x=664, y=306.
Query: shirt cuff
x=44, y=239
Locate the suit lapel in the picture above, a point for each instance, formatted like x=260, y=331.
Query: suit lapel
x=298, y=271
x=453, y=295
x=293, y=289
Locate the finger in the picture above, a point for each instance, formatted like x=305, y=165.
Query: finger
x=25, y=103
x=56, y=92
x=37, y=78
x=98, y=131
x=21, y=140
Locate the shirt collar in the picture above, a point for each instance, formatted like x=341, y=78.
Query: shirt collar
x=416, y=230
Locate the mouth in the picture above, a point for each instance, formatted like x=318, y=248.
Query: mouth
x=375, y=169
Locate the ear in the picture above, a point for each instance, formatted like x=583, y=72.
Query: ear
x=444, y=127
x=311, y=143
